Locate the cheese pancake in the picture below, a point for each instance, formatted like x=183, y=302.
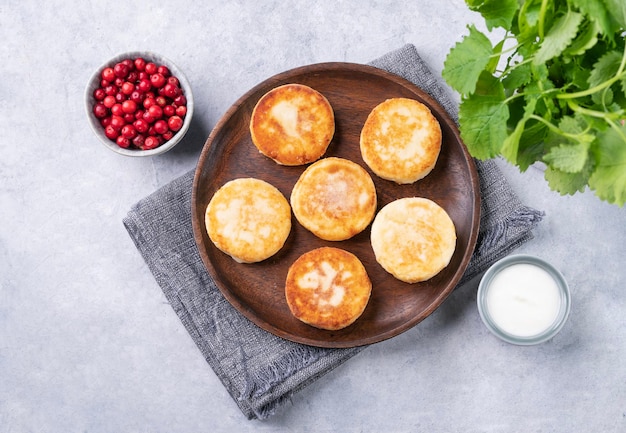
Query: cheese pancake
x=413, y=239
x=248, y=219
x=292, y=124
x=400, y=140
x=327, y=288
x=334, y=199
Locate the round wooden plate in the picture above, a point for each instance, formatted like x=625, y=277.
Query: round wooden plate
x=257, y=290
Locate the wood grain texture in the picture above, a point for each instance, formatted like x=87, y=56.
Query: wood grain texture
x=257, y=290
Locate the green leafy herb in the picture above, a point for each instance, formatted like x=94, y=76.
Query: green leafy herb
x=551, y=89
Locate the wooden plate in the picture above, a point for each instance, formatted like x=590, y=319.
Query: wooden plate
x=257, y=290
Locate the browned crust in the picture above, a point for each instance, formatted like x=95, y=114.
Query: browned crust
x=401, y=140
x=292, y=124
x=327, y=288
x=334, y=198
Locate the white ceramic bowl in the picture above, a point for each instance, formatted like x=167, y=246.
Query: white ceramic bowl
x=94, y=83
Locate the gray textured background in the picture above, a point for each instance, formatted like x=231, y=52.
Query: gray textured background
x=87, y=340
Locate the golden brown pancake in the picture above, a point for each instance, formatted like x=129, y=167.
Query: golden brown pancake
x=248, y=219
x=292, y=124
x=413, y=239
x=401, y=140
x=327, y=288
x=334, y=198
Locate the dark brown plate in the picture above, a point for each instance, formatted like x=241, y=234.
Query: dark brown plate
x=257, y=290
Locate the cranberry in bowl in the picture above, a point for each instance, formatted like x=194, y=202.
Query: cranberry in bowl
x=139, y=104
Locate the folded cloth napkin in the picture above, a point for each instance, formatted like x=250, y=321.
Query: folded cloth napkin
x=259, y=370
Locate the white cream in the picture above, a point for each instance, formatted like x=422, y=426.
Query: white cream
x=523, y=300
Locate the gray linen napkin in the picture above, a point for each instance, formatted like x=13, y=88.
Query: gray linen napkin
x=259, y=370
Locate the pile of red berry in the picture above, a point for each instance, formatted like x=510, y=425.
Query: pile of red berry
x=140, y=104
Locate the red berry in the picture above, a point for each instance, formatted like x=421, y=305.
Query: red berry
x=148, y=102
x=111, y=132
x=118, y=82
x=161, y=101
x=167, y=135
x=137, y=97
x=180, y=100
x=128, y=88
x=140, y=64
x=117, y=110
x=110, y=90
x=122, y=141
x=117, y=122
x=144, y=85
x=108, y=74
x=129, y=106
x=155, y=111
x=157, y=80
x=100, y=111
x=164, y=70
x=160, y=126
x=109, y=101
x=169, y=110
x=129, y=131
x=104, y=83
x=173, y=81
x=151, y=142
x=141, y=126
x=171, y=91
x=175, y=123
x=147, y=117
x=121, y=70
x=99, y=94
x=151, y=68
x=120, y=97
x=181, y=110
x=138, y=141
x=129, y=63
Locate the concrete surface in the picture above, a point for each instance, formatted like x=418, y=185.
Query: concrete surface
x=87, y=340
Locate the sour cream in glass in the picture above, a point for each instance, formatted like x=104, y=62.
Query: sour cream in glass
x=523, y=300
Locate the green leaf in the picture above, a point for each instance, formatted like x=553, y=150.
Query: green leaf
x=584, y=41
x=510, y=146
x=570, y=158
x=495, y=59
x=597, y=12
x=532, y=144
x=517, y=77
x=566, y=183
x=605, y=68
x=558, y=37
x=466, y=60
x=603, y=98
x=483, y=117
x=617, y=10
x=609, y=177
x=497, y=13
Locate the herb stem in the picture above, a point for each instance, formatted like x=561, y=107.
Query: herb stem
x=556, y=129
x=592, y=113
x=617, y=129
x=542, y=17
x=620, y=73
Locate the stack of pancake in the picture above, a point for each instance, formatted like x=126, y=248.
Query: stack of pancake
x=413, y=238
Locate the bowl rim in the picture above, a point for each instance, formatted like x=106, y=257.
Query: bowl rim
x=94, y=82
x=549, y=332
